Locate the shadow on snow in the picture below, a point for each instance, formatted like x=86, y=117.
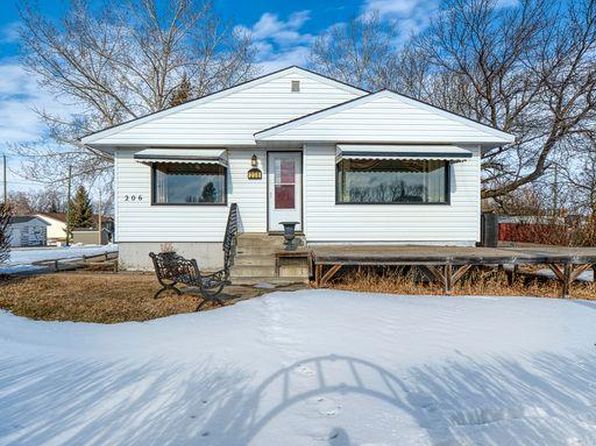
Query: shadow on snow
x=95, y=402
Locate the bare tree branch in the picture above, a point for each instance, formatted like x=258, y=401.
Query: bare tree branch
x=528, y=69
x=120, y=60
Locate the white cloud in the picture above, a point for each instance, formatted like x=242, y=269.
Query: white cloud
x=269, y=26
x=387, y=7
x=293, y=56
x=20, y=95
x=411, y=16
x=279, y=42
x=10, y=33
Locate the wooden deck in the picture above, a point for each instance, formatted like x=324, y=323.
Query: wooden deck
x=448, y=264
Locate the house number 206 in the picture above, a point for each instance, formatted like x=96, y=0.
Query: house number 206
x=133, y=198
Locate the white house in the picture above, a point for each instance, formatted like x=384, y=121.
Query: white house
x=349, y=165
x=56, y=226
x=27, y=230
x=57, y=229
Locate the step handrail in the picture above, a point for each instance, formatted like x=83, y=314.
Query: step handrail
x=230, y=236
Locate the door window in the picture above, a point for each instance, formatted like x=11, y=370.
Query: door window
x=285, y=184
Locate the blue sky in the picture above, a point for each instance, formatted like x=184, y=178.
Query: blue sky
x=282, y=31
x=314, y=16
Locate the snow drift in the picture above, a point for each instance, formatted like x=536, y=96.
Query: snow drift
x=309, y=367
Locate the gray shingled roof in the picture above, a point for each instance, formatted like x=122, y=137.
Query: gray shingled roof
x=25, y=219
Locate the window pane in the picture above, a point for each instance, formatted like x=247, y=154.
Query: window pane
x=284, y=196
x=392, y=181
x=189, y=183
x=287, y=172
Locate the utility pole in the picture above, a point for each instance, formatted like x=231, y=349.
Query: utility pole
x=4, y=178
x=68, y=207
x=99, y=218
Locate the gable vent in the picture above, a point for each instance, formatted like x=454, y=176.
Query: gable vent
x=295, y=86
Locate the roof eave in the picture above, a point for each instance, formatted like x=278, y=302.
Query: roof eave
x=100, y=134
x=484, y=143
x=108, y=149
x=500, y=137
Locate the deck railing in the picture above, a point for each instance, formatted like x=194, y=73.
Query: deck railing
x=229, y=243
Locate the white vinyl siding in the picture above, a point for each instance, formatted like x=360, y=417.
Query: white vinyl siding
x=326, y=221
x=250, y=195
x=233, y=118
x=236, y=120
x=139, y=221
x=384, y=117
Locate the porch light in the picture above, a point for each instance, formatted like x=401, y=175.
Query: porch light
x=253, y=160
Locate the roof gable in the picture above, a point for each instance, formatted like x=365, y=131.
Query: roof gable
x=262, y=94
x=385, y=116
x=60, y=217
x=56, y=216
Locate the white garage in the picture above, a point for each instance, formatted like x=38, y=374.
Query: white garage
x=27, y=230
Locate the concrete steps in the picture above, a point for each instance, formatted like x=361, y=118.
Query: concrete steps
x=258, y=244
x=248, y=237
x=255, y=260
x=260, y=250
x=252, y=271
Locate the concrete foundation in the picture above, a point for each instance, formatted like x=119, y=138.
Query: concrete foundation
x=293, y=267
x=134, y=256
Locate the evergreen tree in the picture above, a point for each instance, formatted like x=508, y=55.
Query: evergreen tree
x=53, y=206
x=80, y=213
x=182, y=93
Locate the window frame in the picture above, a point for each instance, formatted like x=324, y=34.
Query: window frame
x=447, y=201
x=154, y=191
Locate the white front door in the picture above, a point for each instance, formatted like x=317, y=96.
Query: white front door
x=284, y=176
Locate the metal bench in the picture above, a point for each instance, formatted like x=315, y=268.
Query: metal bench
x=172, y=269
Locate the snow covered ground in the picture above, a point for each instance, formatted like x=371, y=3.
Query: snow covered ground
x=309, y=368
x=21, y=259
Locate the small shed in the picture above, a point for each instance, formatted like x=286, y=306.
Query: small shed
x=90, y=236
x=27, y=230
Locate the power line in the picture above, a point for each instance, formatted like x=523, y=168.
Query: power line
x=68, y=207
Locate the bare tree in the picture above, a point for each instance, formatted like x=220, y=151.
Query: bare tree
x=118, y=61
x=182, y=93
x=361, y=52
x=527, y=69
x=20, y=203
x=5, y=215
x=579, y=174
x=51, y=199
